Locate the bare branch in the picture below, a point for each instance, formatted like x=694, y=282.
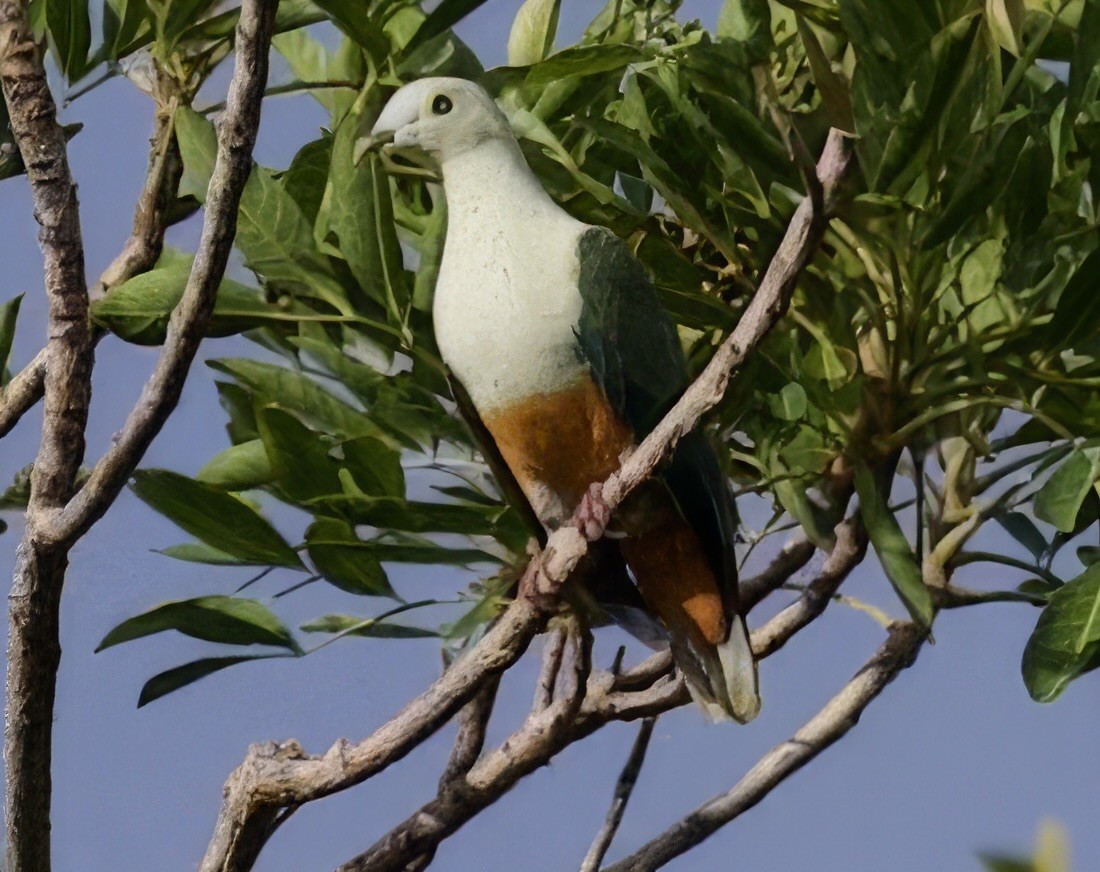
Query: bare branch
x=232, y=166
x=138, y=255
x=847, y=553
x=532, y=745
x=274, y=776
x=624, y=787
x=552, y=655
x=838, y=716
x=795, y=554
x=272, y=779
x=472, y=723
x=34, y=651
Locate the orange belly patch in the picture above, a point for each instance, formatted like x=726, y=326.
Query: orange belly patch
x=561, y=442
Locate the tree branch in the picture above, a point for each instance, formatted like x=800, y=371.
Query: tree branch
x=278, y=776
x=838, y=716
x=795, y=554
x=232, y=166
x=847, y=553
x=139, y=254
x=624, y=787
x=34, y=651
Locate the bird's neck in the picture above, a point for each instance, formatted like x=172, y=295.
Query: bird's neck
x=492, y=185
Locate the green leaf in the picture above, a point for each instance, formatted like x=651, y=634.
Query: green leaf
x=533, y=29
x=197, y=552
x=1066, y=640
x=749, y=22
x=238, y=467
x=349, y=625
x=1088, y=554
x=359, y=216
x=181, y=676
x=272, y=233
x=307, y=175
x=176, y=16
x=413, y=516
x=1061, y=498
x=345, y=560
x=9, y=312
x=445, y=16
x=295, y=391
x=70, y=32
x=225, y=619
x=348, y=15
x=1021, y=528
x=790, y=403
x=586, y=60
x=217, y=518
x=311, y=61
x=892, y=548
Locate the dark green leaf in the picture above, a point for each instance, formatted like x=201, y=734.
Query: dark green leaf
x=345, y=561
x=225, y=619
x=181, y=676
x=1066, y=641
x=1021, y=528
x=892, y=548
x=374, y=628
x=217, y=518
x=71, y=34
x=305, y=179
x=447, y=14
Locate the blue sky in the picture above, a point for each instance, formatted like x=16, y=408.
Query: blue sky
x=953, y=758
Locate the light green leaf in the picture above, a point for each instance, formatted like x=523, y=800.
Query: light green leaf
x=1066, y=640
x=238, y=467
x=197, y=552
x=1061, y=498
x=350, y=625
x=217, y=518
x=533, y=30
x=892, y=548
x=790, y=403
x=225, y=619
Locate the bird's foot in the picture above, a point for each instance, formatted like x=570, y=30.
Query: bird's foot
x=593, y=514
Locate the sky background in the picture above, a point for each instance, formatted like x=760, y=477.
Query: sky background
x=952, y=759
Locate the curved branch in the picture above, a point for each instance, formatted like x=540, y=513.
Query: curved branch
x=794, y=555
x=232, y=166
x=838, y=716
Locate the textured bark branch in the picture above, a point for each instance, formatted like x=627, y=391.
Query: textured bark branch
x=838, y=716
x=34, y=651
x=276, y=776
x=232, y=166
x=139, y=254
x=273, y=777
x=624, y=787
x=552, y=654
x=531, y=746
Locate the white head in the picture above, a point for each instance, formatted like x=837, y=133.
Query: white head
x=442, y=116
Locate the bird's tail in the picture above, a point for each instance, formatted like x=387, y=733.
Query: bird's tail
x=710, y=646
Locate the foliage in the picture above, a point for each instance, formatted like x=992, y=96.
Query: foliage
x=944, y=343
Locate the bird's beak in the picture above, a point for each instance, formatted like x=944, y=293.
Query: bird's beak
x=376, y=141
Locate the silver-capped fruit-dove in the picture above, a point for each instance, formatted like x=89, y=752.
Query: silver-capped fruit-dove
x=555, y=334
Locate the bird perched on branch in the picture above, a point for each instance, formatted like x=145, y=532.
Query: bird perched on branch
x=567, y=360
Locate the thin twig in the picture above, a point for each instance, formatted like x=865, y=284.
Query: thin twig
x=850, y=547
x=552, y=653
x=838, y=716
x=232, y=166
x=624, y=787
x=795, y=554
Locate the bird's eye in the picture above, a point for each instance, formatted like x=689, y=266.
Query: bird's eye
x=442, y=104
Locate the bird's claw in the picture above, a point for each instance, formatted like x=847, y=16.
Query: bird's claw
x=593, y=514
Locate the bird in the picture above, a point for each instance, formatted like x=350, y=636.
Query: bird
x=563, y=359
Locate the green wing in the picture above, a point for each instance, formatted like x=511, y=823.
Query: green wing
x=631, y=345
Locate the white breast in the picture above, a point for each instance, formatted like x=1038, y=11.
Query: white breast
x=507, y=301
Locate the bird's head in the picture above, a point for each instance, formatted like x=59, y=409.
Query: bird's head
x=439, y=117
